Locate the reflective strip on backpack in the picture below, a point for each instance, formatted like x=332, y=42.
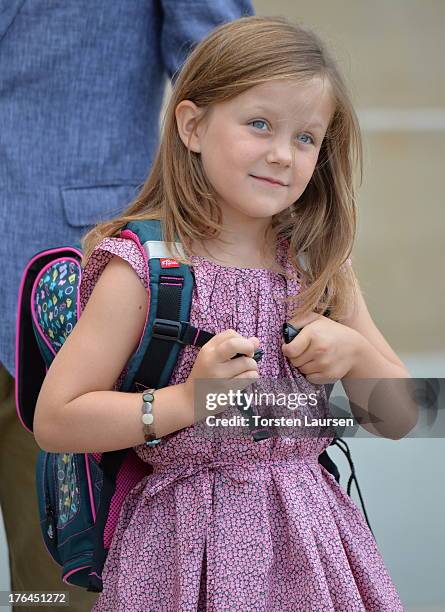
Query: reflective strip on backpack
x=158, y=248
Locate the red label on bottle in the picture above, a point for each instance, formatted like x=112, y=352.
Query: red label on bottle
x=166, y=262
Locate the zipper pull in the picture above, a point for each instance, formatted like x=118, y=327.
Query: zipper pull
x=50, y=522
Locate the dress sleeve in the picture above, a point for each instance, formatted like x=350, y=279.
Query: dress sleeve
x=101, y=255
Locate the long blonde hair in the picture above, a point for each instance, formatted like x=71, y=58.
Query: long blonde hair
x=321, y=224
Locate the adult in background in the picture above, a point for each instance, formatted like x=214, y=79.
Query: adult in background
x=81, y=89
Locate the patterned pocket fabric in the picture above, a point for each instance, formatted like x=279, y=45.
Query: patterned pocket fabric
x=67, y=487
x=56, y=301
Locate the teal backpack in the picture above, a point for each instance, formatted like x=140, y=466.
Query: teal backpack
x=80, y=494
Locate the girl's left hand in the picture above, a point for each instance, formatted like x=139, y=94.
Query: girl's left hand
x=324, y=351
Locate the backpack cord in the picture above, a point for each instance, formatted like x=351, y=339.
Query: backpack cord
x=352, y=477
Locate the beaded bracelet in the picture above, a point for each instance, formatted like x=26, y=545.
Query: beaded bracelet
x=147, y=417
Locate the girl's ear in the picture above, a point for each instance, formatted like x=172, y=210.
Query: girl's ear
x=187, y=115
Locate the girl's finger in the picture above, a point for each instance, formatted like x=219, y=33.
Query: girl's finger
x=304, y=358
x=218, y=339
x=311, y=367
x=231, y=346
x=238, y=366
x=250, y=374
x=222, y=336
x=299, y=345
x=316, y=378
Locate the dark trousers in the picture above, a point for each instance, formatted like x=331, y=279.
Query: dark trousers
x=31, y=566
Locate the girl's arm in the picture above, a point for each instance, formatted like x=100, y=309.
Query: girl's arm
x=380, y=390
x=77, y=409
x=375, y=380
x=375, y=358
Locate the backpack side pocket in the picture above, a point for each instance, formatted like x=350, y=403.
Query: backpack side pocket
x=47, y=505
x=68, y=491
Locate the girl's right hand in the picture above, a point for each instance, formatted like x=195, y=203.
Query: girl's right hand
x=214, y=361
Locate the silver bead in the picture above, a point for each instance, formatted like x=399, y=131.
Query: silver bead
x=147, y=419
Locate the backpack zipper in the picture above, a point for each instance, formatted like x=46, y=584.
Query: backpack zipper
x=50, y=521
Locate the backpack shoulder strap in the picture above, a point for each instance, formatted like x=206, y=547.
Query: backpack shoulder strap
x=171, y=287
x=168, y=324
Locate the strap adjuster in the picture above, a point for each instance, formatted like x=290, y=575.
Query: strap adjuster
x=166, y=329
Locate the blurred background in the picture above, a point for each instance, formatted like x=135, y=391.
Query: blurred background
x=391, y=53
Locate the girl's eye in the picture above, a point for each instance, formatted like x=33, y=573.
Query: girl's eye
x=308, y=136
x=260, y=124
x=258, y=121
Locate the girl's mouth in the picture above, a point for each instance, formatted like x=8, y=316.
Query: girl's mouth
x=268, y=181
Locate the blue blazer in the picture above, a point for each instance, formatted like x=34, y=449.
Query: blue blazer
x=81, y=88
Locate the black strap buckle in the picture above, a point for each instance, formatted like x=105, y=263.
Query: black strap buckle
x=166, y=329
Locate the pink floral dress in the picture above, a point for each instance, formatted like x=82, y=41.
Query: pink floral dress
x=232, y=524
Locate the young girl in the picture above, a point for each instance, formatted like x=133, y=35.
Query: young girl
x=254, y=170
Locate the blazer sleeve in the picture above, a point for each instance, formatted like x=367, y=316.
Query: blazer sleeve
x=186, y=22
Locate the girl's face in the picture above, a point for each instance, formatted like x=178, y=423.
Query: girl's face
x=259, y=149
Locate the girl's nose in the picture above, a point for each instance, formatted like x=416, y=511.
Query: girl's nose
x=280, y=152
